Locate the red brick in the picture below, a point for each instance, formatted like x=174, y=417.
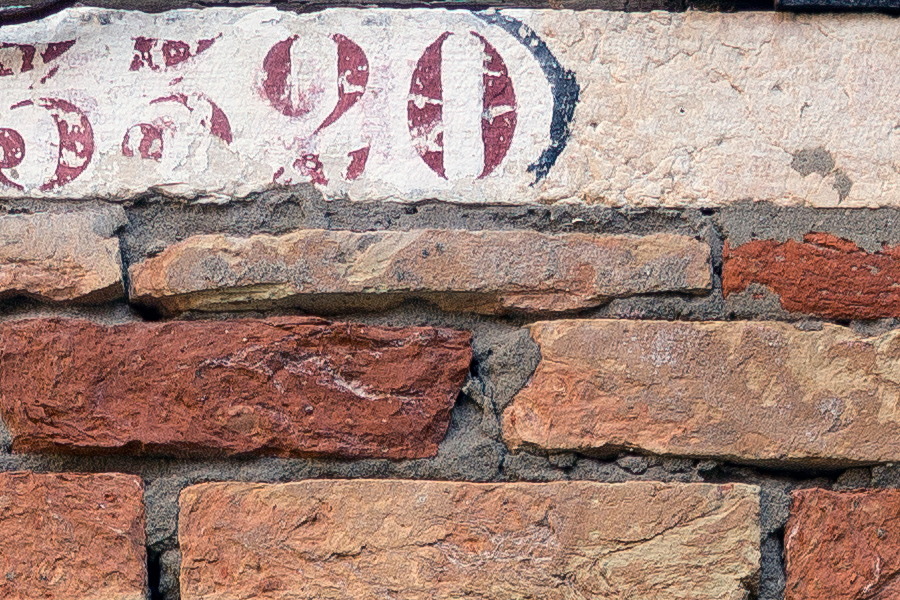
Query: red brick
x=72, y=537
x=843, y=545
x=280, y=386
x=436, y=540
x=823, y=275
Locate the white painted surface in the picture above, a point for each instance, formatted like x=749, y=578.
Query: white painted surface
x=675, y=109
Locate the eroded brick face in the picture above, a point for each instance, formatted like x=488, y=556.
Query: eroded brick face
x=843, y=545
x=417, y=540
x=72, y=537
x=481, y=271
x=822, y=275
x=282, y=386
x=762, y=392
x=61, y=257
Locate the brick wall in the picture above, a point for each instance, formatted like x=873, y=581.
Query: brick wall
x=432, y=304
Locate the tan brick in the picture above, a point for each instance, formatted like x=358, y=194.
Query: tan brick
x=761, y=392
x=418, y=540
x=72, y=537
x=287, y=386
x=483, y=271
x=59, y=257
x=843, y=545
x=518, y=106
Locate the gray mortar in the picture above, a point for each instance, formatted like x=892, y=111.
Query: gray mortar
x=504, y=354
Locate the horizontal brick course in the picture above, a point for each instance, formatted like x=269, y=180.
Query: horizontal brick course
x=61, y=257
x=482, y=271
x=748, y=391
x=822, y=275
x=72, y=536
x=280, y=386
x=520, y=106
x=362, y=540
x=843, y=545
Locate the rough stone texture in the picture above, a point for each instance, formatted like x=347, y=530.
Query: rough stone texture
x=823, y=275
x=72, y=537
x=361, y=540
x=761, y=392
x=599, y=107
x=843, y=545
x=280, y=386
x=484, y=271
x=61, y=257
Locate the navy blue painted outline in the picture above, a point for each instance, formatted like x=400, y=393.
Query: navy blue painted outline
x=563, y=86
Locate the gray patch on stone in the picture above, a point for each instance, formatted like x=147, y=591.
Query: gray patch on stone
x=813, y=160
x=842, y=184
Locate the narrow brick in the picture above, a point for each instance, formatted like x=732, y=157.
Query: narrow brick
x=429, y=540
x=61, y=257
x=482, y=271
x=72, y=537
x=520, y=107
x=280, y=386
x=823, y=275
x=758, y=392
x=843, y=545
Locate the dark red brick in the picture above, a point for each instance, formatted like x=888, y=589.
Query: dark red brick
x=280, y=386
x=843, y=545
x=72, y=537
x=823, y=275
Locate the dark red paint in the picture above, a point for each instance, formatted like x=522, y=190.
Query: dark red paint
x=276, y=87
x=498, y=119
x=353, y=74
x=218, y=124
x=310, y=166
x=173, y=52
x=426, y=122
x=12, y=152
x=358, y=160
x=149, y=145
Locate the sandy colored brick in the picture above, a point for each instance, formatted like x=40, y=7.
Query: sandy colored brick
x=482, y=271
x=843, y=545
x=429, y=540
x=67, y=536
x=61, y=257
x=286, y=386
x=759, y=392
x=515, y=106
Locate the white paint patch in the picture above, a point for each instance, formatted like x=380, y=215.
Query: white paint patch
x=674, y=109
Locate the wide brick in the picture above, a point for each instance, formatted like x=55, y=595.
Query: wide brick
x=755, y=392
x=483, y=271
x=59, y=257
x=279, y=386
x=516, y=106
x=418, y=540
x=72, y=537
x=822, y=275
x=843, y=545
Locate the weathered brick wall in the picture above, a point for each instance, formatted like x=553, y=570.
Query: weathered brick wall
x=426, y=303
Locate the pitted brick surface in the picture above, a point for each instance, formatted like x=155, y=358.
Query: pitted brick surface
x=418, y=540
x=67, y=536
x=484, y=271
x=281, y=386
x=763, y=392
